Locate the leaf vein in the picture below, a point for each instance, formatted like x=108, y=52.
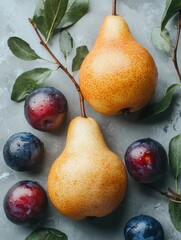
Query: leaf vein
x=22, y=50
x=54, y=19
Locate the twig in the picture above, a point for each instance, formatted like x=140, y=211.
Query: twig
x=114, y=7
x=176, y=47
x=174, y=197
x=174, y=193
x=60, y=65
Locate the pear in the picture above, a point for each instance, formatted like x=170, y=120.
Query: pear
x=87, y=179
x=118, y=74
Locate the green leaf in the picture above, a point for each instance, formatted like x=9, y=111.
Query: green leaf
x=29, y=81
x=172, y=7
x=175, y=155
x=40, y=24
x=75, y=11
x=47, y=234
x=161, y=39
x=159, y=107
x=81, y=53
x=175, y=214
x=39, y=18
x=66, y=43
x=54, y=12
x=22, y=49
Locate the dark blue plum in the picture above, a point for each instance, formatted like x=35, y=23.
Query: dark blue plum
x=143, y=227
x=25, y=202
x=146, y=160
x=23, y=151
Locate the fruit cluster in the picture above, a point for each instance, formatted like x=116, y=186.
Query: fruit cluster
x=122, y=81
x=25, y=202
x=45, y=109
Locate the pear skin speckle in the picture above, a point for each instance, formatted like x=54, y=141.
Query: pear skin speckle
x=118, y=73
x=87, y=179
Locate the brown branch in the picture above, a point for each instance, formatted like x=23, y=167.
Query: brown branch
x=60, y=65
x=169, y=196
x=114, y=7
x=176, y=47
x=174, y=193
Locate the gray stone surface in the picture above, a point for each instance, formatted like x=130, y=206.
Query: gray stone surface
x=142, y=16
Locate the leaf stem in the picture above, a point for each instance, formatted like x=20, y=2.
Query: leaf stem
x=170, y=44
x=61, y=66
x=114, y=3
x=46, y=60
x=176, y=47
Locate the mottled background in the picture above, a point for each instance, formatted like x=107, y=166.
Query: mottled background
x=142, y=16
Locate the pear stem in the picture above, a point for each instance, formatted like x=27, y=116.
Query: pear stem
x=176, y=47
x=61, y=66
x=114, y=7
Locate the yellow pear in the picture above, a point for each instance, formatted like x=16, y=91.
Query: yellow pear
x=118, y=74
x=87, y=179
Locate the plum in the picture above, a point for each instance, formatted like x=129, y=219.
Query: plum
x=25, y=202
x=23, y=151
x=46, y=108
x=146, y=160
x=143, y=227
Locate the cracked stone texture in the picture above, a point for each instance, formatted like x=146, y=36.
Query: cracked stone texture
x=142, y=16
